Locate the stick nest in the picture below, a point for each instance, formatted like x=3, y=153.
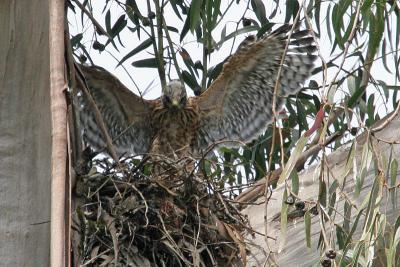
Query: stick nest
x=124, y=217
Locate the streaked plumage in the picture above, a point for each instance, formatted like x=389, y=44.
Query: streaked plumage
x=236, y=107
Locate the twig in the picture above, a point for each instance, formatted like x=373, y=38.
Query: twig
x=97, y=115
x=157, y=50
x=90, y=16
x=171, y=48
x=267, y=181
x=206, y=51
x=94, y=258
x=114, y=235
x=387, y=120
x=144, y=201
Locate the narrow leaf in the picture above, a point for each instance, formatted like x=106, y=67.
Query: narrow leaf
x=307, y=225
x=145, y=63
x=259, y=10
x=146, y=43
x=194, y=13
x=293, y=159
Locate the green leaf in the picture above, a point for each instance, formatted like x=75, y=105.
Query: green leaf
x=347, y=215
x=347, y=244
x=194, y=14
x=146, y=43
x=175, y=8
x=333, y=187
x=190, y=80
x=75, y=40
x=391, y=252
x=292, y=7
x=259, y=10
x=213, y=72
x=370, y=110
x=223, y=34
x=355, y=97
x=236, y=33
x=332, y=202
x=216, y=12
x=317, y=11
x=393, y=180
x=365, y=163
x=172, y=29
x=366, y=6
x=284, y=220
x=301, y=115
x=145, y=63
x=349, y=160
x=328, y=23
x=322, y=193
x=384, y=57
x=338, y=12
x=185, y=29
x=374, y=199
x=331, y=93
x=119, y=25
x=295, y=182
x=108, y=21
x=393, y=172
x=260, y=162
x=307, y=226
x=376, y=28
x=291, y=163
x=133, y=11
x=340, y=236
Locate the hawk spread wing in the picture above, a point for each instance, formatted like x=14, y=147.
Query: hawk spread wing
x=236, y=107
x=125, y=115
x=238, y=104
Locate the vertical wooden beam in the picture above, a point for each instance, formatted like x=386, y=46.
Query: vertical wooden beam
x=59, y=171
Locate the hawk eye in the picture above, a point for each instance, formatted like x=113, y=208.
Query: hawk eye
x=167, y=99
x=183, y=99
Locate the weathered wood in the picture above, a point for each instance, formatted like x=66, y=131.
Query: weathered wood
x=25, y=139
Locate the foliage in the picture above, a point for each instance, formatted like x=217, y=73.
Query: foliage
x=355, y=84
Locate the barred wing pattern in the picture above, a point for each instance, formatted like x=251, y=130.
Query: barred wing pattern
x=126, y=116
x=238, y=104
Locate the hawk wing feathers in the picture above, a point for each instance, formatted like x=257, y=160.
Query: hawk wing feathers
x=238, y=104
x=125, y=114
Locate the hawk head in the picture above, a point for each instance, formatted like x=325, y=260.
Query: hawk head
x=174, y=95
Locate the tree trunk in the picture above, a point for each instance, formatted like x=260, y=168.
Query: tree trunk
x=25, y=133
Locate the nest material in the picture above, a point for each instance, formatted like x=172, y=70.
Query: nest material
x=126, y=218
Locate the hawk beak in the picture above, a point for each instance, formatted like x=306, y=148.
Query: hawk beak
x=175, y=103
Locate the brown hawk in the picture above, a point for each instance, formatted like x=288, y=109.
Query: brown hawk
x=236, y=107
